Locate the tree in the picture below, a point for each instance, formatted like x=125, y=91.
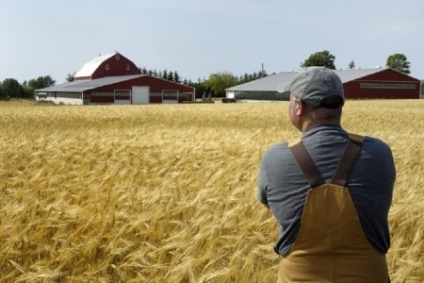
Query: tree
x=143, y=70
x=398, y=62
x=322, y=58
x=199, y=86
x=170, y=76
x=262, y=74
x=1, y=91
x=164, y=74
x=351, y=65
x=218, y=82
x=70, y=77
x=422, y=89
x=28, y=91
x=177, y=78
x=12, y=88
x=41, y=82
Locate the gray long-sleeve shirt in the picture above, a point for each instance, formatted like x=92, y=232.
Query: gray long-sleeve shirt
x=283, y=186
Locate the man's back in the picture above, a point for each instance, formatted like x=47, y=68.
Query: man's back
x=283, y=186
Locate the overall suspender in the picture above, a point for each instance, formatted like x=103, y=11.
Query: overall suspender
x=343, y=169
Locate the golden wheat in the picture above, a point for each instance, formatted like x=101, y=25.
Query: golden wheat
x=166, y=193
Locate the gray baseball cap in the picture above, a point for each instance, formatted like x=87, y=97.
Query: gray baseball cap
x=318, y=86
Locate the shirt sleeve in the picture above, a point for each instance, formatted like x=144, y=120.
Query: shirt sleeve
x=262, y=183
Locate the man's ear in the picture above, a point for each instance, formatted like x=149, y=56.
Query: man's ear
x=299, y=107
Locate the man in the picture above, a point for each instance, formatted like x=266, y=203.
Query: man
x=330, y=191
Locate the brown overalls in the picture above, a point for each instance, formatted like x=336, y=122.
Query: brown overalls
x=331, y=245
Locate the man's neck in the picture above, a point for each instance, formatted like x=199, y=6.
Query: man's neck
x=307, y=125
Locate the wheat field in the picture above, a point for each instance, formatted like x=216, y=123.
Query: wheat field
x=166, y=193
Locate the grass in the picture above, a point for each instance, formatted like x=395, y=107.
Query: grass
x=166, y=193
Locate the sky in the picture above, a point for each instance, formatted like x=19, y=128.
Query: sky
x=197, y=38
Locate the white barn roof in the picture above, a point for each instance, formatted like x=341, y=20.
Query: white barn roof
x=88, y=68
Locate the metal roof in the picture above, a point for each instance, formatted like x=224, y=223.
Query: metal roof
x=354, y=74
x=88, y=68
x=269, y=83
x=80, y=86
x=272, y=82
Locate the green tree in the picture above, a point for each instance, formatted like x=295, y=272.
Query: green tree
x=251, y=77
x=41, y=82
x=164, y=74
x=177, y=78
x=422, y=89
x=143, y=70
x=12, y=88
x=70, y=77
x=322, y=58
x=170, y=76
x=398, y=62
x=351, y=65
x=262, y=74
x=1, y=91
x=218, y=82
x=199, y=86
x=28, y=91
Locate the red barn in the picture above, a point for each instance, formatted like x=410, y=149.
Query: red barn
x=106, y=66
x=113, y=79
x=378, y=83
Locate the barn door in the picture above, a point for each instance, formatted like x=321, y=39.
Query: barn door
x=140, y=95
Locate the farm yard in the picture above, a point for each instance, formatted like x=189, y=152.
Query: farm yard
x=167, y=193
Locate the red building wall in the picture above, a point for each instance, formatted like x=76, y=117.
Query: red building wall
x=116, y=65
x=155, y=85
x=387, y=84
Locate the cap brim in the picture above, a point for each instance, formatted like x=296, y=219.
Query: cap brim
x=332, y=101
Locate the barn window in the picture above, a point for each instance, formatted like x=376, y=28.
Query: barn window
x=128, y=67
x=388, y=86
x=107, y=67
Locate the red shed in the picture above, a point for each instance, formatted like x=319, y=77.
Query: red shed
x=114, y=79
x=379, y=83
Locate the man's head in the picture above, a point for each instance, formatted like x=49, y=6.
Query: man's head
x=317, y=86
x=316, y=97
